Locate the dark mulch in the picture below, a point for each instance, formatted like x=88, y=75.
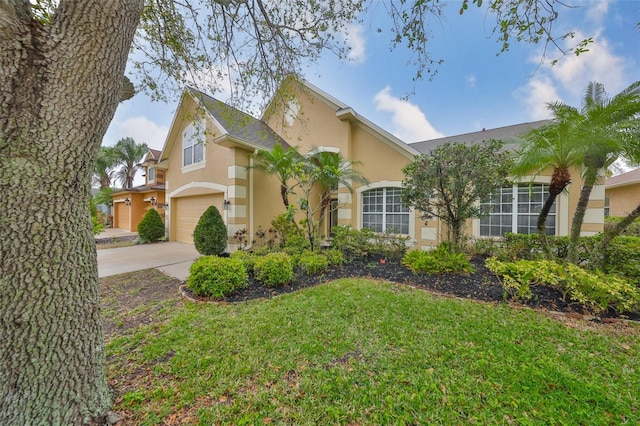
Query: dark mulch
x=482, y=285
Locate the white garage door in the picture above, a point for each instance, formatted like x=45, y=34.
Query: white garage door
x=188, y=211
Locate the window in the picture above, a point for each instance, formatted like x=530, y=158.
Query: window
x=516, y=209
x=151, y=174
x=382, y=210
x=607, y=206
x=192, y=144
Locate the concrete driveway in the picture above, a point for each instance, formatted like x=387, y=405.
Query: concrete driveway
x=172, y=258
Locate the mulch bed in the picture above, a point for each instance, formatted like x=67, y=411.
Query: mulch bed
x=481, y=285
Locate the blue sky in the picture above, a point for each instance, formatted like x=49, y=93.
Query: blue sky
x=474, y=87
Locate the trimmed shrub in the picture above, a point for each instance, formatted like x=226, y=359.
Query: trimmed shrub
x=212, y=276
x=274, y=269
x=389, y=245
x=623, y=257
x=210, y=235
x=313, y=263
x=151, y=227
x=592, y=289
x=334, y=256
x=246, y=258
x=441, y=260
x=352, y=243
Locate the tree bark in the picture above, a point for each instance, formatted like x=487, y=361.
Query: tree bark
x=61, y=86
x=596, y=259
x=542, y=224
x=590, y=179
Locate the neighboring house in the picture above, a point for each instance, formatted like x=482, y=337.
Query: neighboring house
x=130, y=205
x=622, y=193
x=218, y=172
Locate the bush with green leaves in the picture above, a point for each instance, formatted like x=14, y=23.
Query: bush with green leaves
x=284, y=228
x=217, y=277
x=274, y=269
x=594, y=290
x=389, y=245
x=438, y=261
x=96, y=223
x=247, y=259
x=622, y=257
x=354, y=244
x=485, y=247
x=334, y=256
x=151, y=227
x=210, y=235
x=633, y=230
x=313, y=263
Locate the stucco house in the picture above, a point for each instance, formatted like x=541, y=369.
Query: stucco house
x=622, y=193
x=130, y=205
x=208, y=159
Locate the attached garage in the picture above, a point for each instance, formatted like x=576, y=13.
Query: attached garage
x=187, y=211
x=121, y=215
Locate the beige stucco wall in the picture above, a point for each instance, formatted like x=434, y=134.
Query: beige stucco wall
x=623, y=199
x=255, y=197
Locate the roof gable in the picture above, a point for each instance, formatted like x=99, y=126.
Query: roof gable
x=237, y=124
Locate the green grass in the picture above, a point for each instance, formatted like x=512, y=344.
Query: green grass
x=360, y=352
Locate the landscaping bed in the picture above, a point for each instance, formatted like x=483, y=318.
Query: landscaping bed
x=480, y=285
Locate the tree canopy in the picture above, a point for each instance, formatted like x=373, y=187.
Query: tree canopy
x=451, y=180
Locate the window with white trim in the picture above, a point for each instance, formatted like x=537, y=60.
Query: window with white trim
x=382, y=210
x=516, y=209
x=151, y=174
x=193, y=144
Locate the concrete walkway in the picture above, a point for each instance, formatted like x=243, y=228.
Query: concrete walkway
x=172, y=258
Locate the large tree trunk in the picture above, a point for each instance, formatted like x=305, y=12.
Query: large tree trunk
x=60, y=87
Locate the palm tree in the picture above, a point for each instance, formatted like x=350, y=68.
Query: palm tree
x=103, y=172
x=281, y=163
x=604, y=128
x=550, y=146
x=323, y=172
x=128, y=154
x=332, y=170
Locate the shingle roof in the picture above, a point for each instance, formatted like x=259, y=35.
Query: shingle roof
x=505, y=134
x=624, y=179
x=238, y=124
x=154, y=154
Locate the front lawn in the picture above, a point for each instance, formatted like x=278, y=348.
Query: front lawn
x=357, y=351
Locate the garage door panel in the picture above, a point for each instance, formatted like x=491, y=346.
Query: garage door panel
x=188, y=212
x=122, y=215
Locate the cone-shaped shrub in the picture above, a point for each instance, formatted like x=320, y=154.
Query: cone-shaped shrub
x=151, y=227
x=210, y=235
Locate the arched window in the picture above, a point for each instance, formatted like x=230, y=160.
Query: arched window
x=516, y=209
x=382, y=210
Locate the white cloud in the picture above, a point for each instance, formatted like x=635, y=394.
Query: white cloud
x=357, y=43
x=536, y=94
x=471, y=80
x=597, y=10
x=599, y=64
x=571, y=75
x=411, y=125
x=140, y=128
